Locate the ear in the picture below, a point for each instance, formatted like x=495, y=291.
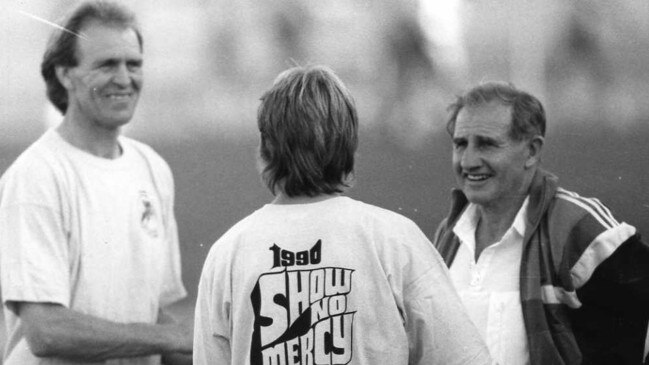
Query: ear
x=534, y=147
x=62, y=74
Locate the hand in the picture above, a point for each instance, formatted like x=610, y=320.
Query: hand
x=182, y=334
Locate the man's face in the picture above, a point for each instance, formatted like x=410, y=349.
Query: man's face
x=103, y=89
x=489, y=166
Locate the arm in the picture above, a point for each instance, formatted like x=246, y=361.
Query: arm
x=52, y=330
x=212, y=323
x=211, y=346
x=627, y=270
x=616, y=305
x=439, y=329
x=177, y=358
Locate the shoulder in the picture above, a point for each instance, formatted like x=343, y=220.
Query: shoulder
x=230, y=240
x=34, y=169
x=380, y=217
x=39, y=154
x=146, y=152
x=392, y=233
x=222, y=252
x=570, y=209
x=587, y=232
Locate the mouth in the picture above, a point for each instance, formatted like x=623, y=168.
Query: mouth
x=119, y=96
x=476, y=177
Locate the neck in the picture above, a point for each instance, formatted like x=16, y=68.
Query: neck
x=281, y=198
x=497, y=217
x=495, y=221
x=97, y=141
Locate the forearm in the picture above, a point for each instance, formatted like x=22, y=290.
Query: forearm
x=177, y=359
x=55, y=331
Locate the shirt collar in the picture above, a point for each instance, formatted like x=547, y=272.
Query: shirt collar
x=466, y=225
x=521, y=217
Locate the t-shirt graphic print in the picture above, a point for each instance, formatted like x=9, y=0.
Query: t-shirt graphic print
x=301, y=316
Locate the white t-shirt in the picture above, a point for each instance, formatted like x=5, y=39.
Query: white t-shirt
x=95, y=235
x=490, y=287
x=331, y=282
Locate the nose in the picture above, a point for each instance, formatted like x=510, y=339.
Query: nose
x=122, y=75
x=470, y=158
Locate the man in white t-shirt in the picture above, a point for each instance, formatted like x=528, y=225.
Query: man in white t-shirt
x=318, y=278
x=89, y=254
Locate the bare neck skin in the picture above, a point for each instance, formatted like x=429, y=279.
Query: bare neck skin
x=494, y=221
x=101, y=142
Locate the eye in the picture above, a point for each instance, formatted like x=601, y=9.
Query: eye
x=459, y=143
x=107, y=65
x=134, y=66
x=486, y=143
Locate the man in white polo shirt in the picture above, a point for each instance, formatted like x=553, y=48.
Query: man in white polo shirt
x=548, y=276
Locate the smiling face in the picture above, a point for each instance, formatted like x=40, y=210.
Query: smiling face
x=103, y=89
x=490, y=167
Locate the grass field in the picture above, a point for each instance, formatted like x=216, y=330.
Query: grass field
x=217, y=183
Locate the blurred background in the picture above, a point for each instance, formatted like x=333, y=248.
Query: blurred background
x=207, y=62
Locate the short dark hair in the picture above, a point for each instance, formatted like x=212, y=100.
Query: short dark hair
x=309, y=133
x=528, y=115
x=62, y=46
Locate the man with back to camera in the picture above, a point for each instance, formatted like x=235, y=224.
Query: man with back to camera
x=548, y=276
x=88, y=240
x=318, y=278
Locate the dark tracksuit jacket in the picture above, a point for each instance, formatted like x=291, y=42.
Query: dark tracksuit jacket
x=584, y=279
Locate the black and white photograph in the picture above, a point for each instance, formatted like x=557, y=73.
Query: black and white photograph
x=369, y=182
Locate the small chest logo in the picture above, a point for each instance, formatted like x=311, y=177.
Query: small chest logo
x=148, y=216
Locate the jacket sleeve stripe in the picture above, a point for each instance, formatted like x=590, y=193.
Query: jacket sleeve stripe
x=599, y=250
x=602, y=209
x=557, y=295
x=592, y=206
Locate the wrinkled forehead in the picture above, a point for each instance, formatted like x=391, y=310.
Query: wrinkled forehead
x=488, y=119
x=93, y=28
x=101, y=38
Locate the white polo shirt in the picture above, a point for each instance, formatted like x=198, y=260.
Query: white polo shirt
x=490, y=288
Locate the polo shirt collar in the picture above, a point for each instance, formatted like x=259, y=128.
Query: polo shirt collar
x=466, y=225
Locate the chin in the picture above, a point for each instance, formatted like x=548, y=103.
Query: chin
x=479, y=198
x=113, y=124
x=118, y=119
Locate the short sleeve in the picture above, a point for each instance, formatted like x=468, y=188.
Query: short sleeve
x=439, y=329
x=212, y=322
x=34, y=251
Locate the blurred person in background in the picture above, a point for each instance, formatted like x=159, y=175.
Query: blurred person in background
x=89, y=254
x=548, y=276
x=317, y=277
